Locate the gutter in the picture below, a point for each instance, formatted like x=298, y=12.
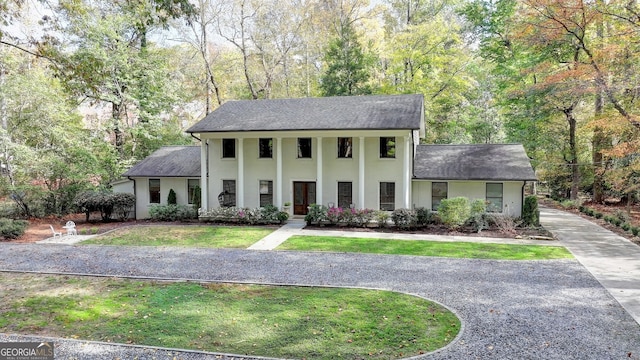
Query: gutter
x=195, y=137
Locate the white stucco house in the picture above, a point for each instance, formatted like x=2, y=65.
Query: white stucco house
x=362, y=152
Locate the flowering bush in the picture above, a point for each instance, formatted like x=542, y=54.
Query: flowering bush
x=334, y=215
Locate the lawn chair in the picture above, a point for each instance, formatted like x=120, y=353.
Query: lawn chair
x=71, y=228
x=55, y=233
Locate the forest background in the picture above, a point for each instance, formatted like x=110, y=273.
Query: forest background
x=89, y=87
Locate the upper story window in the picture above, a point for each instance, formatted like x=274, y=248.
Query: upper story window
x=345, y=147
x=387, y=147
x=228, y=148
x=304, y=148
x=265, y=146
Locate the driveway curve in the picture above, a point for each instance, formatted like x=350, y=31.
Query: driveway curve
x=510, y=309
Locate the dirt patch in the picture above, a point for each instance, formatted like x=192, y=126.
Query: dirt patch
x=39, y=229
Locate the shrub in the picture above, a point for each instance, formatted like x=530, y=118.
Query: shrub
x=590, y=212
x=171, y=198
x=626, y=226
x=477, y=219
x=197, y=198
x=505, y=224
x=362, y=217
x=382, y=218
x=608, y=218
x=454, y=212
x=334, y=215
x=581, y=208
x=404, y=218
x=317, y=214
x=270, y=213
x=635, y=230
x=622, y=215
x=106, y=202
x=569, y=204
x=531, y=213
x=424, y=216
x=282, y=216
x=617, y=222
x=598, y=215
x=172, y=212
x=12, y=229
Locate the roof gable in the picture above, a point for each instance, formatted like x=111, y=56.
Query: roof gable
x=377, y=112
x=169, y=161
x=499, y=162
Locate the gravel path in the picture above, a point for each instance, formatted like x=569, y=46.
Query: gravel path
x=509, y=309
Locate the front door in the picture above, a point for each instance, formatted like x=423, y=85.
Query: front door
x=304, y=194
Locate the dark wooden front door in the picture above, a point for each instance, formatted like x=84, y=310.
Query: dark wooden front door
x=304, y=194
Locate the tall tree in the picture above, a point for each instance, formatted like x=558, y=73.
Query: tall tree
x=347, y=65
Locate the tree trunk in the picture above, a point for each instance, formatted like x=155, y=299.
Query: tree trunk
x=599, y=139
x=116, y=114
x=575, y=171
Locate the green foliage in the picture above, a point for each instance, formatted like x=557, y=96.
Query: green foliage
x=382, y=218
x=635, y=230
x=531, y=212
x=347, y=71
x=626, y=226
x=598, y=215
x=478, y=215
x=197, y=198
x=424, y=216
x=454, y=212
x=106, y=202
x=623, y=215
x=12, y=229
x=172, y=212
x=317, y=214
x=171, y=198
x=404, y=218
x=617, y=222
x=264, y=215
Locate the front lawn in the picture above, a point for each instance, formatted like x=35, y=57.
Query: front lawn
x=271, y=321
x=184, y=235
x=425, y=248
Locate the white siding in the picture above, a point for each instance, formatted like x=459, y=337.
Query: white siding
x=512, y=193
x=179, y=185
x=334, y=169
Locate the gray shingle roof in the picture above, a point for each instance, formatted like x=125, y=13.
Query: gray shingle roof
x=329, y=113
x=473, y=162
x=169, y=161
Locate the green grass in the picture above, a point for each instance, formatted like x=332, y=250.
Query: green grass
x=425, y=248
x=175, y=235
x=287, y=322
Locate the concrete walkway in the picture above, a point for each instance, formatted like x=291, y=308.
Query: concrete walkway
x=613, y=260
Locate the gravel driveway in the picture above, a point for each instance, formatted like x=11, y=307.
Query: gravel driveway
x=509, y=309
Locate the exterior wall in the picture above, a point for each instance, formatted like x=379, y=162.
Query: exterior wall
x=511, y=193
x=179, y=185
x=333, y=169
x=123, y=186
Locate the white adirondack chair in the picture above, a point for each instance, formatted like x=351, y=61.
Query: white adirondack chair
x=71, y=228
x=55, y=233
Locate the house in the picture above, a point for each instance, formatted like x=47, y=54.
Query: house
x=361, y=152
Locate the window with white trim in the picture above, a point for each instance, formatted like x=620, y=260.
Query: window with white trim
x=494, y=197
x=345, y=195
x=228, y=148
x=154, y=191
x=387, y=196
x=266, y=193
x=439, y=191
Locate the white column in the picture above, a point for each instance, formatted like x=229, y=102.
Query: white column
x=204, y=179
x=319, y=172
x=240, y=184
x=407, y=172
x=361, y=172
x=278, y=187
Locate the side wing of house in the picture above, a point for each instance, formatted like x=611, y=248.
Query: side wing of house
x=174, y=168
x=495, y=173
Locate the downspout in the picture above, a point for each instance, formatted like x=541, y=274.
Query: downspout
x=135, y=208
x=206, y=179
x=524, y=184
